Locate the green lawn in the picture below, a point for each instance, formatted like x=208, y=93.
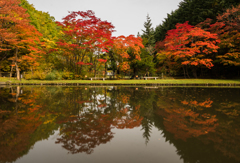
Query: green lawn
x=160, y=81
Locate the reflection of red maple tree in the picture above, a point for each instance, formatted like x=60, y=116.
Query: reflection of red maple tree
x=184, y=123
x=125, y=119
x=85, y=133
x=206, y=104
x=124, y=98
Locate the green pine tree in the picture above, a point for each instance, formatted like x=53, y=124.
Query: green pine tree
x=148, y=33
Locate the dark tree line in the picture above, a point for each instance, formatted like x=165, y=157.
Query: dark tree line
x=194, y=11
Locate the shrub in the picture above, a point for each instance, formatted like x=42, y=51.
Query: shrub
x=54, y=75
x=51, y=76
x=39, y=75
x=67, y=75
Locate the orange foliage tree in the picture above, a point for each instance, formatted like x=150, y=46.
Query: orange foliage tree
x=227, y=27
x=17, y=35
x=191, y=45
x=127, y=50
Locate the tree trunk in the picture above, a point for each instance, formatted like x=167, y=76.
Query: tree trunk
x=187, y=72
x=184, y=72
x=194, y=72
x=17, y=69
x=95, y=68
x=105, y=70
x=134, y=72
x=11, y=71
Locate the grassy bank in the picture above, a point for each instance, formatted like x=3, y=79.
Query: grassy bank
x=159, y=81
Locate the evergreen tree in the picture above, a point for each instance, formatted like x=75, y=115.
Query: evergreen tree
x=146, y=65
x=148, y=33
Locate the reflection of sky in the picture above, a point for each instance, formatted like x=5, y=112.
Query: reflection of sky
x=90, y=106
x=127, y=146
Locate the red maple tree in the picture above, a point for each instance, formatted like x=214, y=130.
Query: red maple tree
x=192, y=45
x=85, y=37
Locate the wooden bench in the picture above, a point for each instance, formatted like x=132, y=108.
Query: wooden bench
x=145, y=78
x=4, y=83
x=150, y=87
x=96, y=78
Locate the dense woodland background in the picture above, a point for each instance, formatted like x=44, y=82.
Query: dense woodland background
x=201, y=39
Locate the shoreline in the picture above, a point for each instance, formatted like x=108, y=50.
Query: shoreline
x=125, y=84
x=159, y=82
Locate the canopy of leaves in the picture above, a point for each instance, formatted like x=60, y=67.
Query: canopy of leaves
x=194, y=11
x=85, y=37
x=17, y=35
x=127, y=50
x=191, y=44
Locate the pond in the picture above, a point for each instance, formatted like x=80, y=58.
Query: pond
x=119, y=124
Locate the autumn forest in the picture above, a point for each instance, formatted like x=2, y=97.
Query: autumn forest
x=201, y=39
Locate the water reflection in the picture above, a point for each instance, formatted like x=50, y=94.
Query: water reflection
x=202, y=124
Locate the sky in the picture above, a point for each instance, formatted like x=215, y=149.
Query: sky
x=128, y=16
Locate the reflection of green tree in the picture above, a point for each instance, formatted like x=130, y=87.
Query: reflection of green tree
x=146, y=98
x=86, y=117
x=146, y=127
x=131, y=96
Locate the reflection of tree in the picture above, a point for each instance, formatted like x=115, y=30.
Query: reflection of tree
x=84, y=133
x=146, y=127
x=186, y=123
x=97, y=115
x=186, y=117
x=86, y=117
x=146, y=98
x=226, y=140
x=200, y=127
x=127, y=119
x=18, y=125
x=206, y=103
x=143, y=109
x=15, y=134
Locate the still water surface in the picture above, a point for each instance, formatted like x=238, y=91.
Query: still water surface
x=119, y=124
